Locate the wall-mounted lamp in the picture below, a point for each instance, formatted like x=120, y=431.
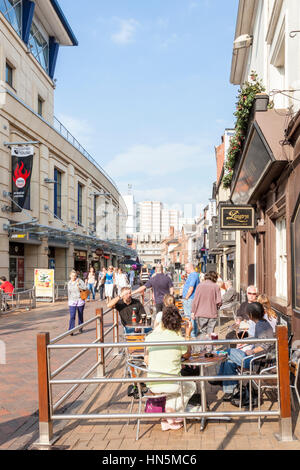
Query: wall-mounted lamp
x=243, y=41
x=293, y=34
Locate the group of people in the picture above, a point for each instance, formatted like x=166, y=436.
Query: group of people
x=201, y=302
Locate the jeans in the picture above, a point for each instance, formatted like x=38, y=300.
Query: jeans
x=91, y=287
x=73, y=316
x=187, y=307
x=129, y=331
x=101, y=292
x=229, y=367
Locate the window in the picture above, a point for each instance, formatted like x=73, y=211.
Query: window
x=57, y=193
x=95, y=214
x=12, y=10
x=39, y=46
x=281, y=259
x=40, y=106
x=9, y=74
x=80, y=192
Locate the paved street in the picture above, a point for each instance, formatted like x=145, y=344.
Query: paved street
x=18, y=378
x=19, y=400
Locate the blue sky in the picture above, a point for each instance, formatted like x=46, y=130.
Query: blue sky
x=147, y=91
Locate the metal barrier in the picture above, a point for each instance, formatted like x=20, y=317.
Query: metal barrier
x=48, y=409
x=61, y=291
x=18, y=300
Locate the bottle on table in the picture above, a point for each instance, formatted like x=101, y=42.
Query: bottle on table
x=134, y=316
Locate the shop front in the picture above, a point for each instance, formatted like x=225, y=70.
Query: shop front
x=81, y=261
x=262, y=180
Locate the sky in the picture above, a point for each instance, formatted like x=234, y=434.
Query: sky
x=147, y=92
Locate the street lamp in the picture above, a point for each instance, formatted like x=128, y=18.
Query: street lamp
x=243, y=41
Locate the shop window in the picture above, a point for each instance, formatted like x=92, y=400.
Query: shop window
x=12, y=10
x=281, y=259
x=9, y=74
x=57, y=193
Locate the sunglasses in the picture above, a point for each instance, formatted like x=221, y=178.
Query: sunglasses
x=252, y=293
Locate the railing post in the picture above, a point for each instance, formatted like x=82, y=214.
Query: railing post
x=285, y=424
x=45, y=422
x=100, y=334
x=116, y=328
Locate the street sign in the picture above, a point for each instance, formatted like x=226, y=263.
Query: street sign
x=237, y=217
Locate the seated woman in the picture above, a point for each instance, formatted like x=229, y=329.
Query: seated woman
x=169, y=300
x=263, y=330
x=162, y=359
x=270, y=315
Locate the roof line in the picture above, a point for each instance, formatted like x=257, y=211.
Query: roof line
x=64, y=21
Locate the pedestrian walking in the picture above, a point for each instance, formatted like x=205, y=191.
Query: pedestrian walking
x=91, y=282
x=161, y=285
x=131, y=277
x=75, y=285
x=122, y=281
x=144, y=276
x=101, y=282
x=188, y=294
x=109, y=283
x=7, y=289
x=206, y=303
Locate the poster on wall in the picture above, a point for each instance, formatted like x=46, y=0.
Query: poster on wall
x=44, y=284
x=22, y=161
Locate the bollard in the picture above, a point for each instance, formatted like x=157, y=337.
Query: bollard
x=100, y=334
x=285, y=424
x=45, y=422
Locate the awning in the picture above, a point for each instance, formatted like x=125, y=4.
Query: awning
x=263, y=158
x=32, y=232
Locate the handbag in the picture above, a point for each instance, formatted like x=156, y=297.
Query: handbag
x=84, y=294
x=156, y=405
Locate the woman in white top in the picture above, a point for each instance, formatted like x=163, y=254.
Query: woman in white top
x=121, y=281
x=91, y=282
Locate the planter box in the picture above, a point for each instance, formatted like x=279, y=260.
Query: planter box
x=261, y=102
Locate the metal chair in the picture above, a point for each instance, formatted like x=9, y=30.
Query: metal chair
x=228, y=312
x=134, y=354
x=139, y=369
x=294, y=369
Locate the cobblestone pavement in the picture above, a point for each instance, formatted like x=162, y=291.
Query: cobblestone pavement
x=18, y=377
x=19, y=399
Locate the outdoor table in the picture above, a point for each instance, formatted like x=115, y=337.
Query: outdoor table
x=139, y=326
x=200, y=360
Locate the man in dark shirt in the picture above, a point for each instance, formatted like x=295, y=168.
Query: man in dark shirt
x=125, y=305
x=161, y=285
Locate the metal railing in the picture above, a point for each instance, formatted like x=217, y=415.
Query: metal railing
x=18, y=300
x=47, y=380
x=63, y=131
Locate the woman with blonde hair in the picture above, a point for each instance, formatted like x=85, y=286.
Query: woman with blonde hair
x=169, y=301
x=270, y=315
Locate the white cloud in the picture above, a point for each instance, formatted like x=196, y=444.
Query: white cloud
x=161, y=160
x=126, y=33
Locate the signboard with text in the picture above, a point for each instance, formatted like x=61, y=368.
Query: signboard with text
x=44, y=283
x=22, y=161
x=237, y=217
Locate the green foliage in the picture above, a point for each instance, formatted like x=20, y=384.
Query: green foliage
x=244, y=105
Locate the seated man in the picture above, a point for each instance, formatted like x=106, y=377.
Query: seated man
x=126, y=305
x=229, y=298
x=263, y=330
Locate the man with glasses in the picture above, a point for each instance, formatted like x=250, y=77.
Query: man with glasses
x=252, y=294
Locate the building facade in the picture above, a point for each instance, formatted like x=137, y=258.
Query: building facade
x=267, y=174
x=74, y=208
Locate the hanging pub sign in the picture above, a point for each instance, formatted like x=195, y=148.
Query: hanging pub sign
x=237, y=217
x=22, y=161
